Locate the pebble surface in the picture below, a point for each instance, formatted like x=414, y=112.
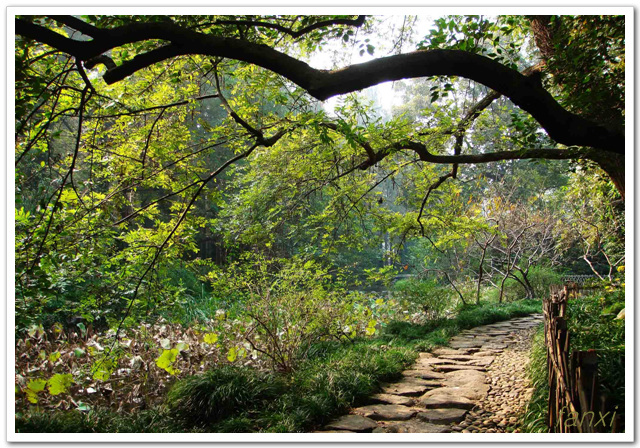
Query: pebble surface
x=476, y=385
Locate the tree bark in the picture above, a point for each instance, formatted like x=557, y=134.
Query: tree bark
x=613, y=165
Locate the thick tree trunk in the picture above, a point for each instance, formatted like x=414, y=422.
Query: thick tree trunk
x=613, y=165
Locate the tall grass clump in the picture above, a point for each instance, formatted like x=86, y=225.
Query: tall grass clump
x=201, y=400
x=536, y=414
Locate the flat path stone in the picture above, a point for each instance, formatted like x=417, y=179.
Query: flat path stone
x=500, y=325
x=488, y=352
x=473, y=393
x=406, y=389
x=442, y=416
x=446, y=401
x=420, y=381
x=351, y=432
x=452, y=367
x=443, y=351
x=355, y=423
x=426, y=374
x=430, y=362
x=458, y=357
x=494, y=346
x=413, y=426
x=392, y=399
x=385, y=412
x=467, y=378
x=482, y=361
x=467, y=345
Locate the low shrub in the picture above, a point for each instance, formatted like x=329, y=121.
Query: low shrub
x=98, y=421
x=438, y=331
x=428, y=296
x=540, y=278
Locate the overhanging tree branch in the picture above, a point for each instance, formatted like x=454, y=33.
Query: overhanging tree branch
x=561, y=125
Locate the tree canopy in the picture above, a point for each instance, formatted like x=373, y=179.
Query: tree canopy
x=146, y=138
x=261, y=42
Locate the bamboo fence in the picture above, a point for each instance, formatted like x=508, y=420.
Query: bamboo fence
x=576, y=401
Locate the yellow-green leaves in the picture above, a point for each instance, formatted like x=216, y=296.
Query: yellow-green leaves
x=210, y=338
x=103, y=368
x=166, y=360
x=59, y=383
x=235, y=352
x=371, y=327
x=168, y=357
x=33, y=388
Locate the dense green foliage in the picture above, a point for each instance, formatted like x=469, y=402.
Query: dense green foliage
x=541, y=279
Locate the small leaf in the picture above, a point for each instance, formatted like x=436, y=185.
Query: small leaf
x=102, y=369
x=166, y=359
x=36, y=385
x=210, y=338
x=53, y=357
x=233, y=354
x=59, y=383
x=33, y=387
x=165, y=344
x=83, y=407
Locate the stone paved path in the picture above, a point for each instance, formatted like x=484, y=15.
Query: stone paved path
x=477, y=384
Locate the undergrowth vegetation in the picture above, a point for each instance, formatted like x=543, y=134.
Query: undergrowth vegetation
x=333, y=376
x=536, y=415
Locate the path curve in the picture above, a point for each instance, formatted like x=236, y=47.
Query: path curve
x=477, y=384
